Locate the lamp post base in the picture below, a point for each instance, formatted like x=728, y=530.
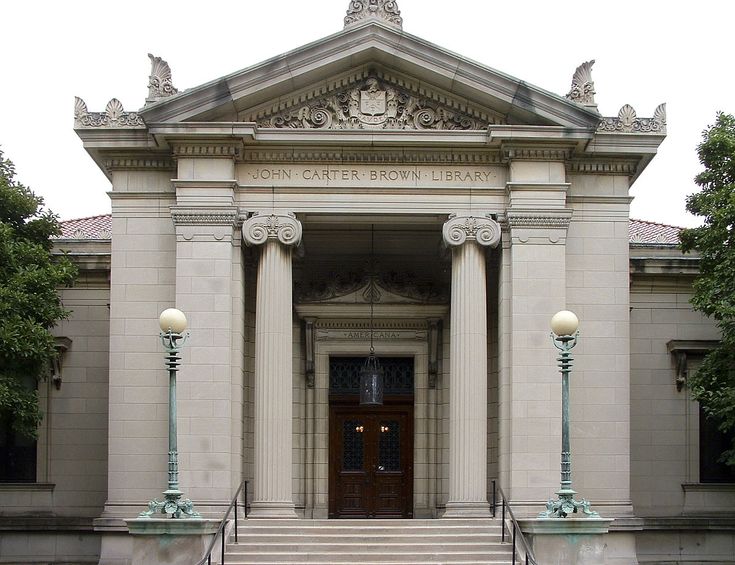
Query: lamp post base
x=566, y=505
x=172, y=504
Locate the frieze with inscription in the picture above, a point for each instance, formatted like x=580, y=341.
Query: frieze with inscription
x=374, y=105
x=360, y=175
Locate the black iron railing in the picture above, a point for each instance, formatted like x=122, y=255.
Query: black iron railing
x=221, y=531
x=521, y=550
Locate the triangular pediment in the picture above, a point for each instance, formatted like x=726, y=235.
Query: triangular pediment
x=370, y=76
x=372, y=98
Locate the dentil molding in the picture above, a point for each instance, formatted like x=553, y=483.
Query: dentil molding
x=388, y=156
x=206, y=150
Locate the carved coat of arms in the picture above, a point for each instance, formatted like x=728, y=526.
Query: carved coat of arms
x=373, y=102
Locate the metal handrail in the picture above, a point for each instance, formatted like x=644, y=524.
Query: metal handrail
x=514, y=529
x=223, y=524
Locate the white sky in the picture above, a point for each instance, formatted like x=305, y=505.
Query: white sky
x=646, y=52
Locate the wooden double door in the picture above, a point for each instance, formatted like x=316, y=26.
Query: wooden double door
x=371, y=460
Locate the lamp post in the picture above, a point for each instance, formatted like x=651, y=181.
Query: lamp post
x=564, y=336
x=173, y=324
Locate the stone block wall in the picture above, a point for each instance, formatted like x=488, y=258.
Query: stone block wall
x=664, y=442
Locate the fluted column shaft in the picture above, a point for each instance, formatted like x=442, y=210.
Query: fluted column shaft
x=467, y=235
x=273, y=489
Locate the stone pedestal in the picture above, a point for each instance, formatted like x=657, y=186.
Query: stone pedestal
x=170, y=542
x=467, y=235
x=568, y=541
x=273, y=492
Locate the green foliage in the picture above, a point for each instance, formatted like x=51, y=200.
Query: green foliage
x=714, y=290
x=29, y=301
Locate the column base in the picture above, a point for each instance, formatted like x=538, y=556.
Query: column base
x=467, y=510
x=268, y=509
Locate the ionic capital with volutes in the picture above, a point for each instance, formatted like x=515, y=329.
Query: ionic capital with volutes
x=460, y=228
x=261, y=227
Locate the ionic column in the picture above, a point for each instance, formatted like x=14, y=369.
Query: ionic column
x=467, y=235
x=277, y=234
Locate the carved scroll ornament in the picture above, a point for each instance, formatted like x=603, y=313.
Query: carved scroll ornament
x=459, y=229
x=628, y=122
x=260, y=227
x=373, y=105
x=386, y=10
x=114, y=116
x=160, y=83
x=583, y=88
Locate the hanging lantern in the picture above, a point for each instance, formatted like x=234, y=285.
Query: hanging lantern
x=371, y=374
x=371, y=382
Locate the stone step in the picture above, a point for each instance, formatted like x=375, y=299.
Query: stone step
x=448, y=523
x=477, y=558
x=352, y=537
x=363, y=546
x=369, y=542
x=505, y=561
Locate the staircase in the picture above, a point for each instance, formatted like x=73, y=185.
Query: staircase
x=373, y=542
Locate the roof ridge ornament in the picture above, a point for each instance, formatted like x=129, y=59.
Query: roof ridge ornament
x=583, y=87
x=160, y=83
x=114, y=116
x=386, y=10
x=627, y=121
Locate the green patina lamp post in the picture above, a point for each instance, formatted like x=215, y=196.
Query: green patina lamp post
x=564, y=336
x=173, y=324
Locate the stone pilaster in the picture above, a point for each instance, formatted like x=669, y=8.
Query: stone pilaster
x=208, y=290
x=532, y=289
x=276, y=234
x=467, y=235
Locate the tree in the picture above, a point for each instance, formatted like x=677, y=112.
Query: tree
x=714, y=290
x=29, y=301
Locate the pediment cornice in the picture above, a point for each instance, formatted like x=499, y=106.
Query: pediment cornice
x=370, y=44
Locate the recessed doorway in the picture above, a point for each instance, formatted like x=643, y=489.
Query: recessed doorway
x=371, y=447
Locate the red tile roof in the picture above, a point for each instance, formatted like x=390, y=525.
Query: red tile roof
x=641, y=232
x=94, y=227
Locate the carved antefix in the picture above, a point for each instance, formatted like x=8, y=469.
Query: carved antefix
x=386, y=10
x=374, y=105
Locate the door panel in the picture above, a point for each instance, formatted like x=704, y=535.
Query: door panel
x=371, y=461
x=352, y=471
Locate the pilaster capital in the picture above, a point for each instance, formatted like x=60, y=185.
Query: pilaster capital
x=186, y=216
x=261, y=227
x=539, y=219
x=482, y=229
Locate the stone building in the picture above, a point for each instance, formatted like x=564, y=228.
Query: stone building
x=373, y=185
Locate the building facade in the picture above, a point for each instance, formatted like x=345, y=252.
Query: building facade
x=372, y=186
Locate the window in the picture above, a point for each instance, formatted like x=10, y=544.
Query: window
x=712, y=442
x=17, y=452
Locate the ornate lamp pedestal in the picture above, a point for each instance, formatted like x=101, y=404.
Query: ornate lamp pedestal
x=564, y=326
x=173, y=323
